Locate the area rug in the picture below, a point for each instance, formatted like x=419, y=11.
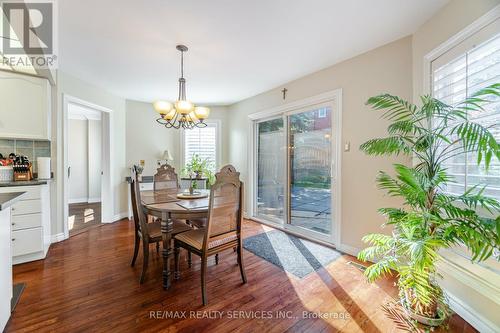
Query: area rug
x=292, y=254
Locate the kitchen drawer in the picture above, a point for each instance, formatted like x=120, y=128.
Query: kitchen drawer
x=146, y=186
x=27, y=241
x=32, y=192
x=26, y=221
x=26, y=207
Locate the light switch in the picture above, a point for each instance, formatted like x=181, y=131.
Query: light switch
x=347, y=146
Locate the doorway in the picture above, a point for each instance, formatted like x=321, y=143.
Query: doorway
x=296, y=162
x=87, y=193
x=84, y=169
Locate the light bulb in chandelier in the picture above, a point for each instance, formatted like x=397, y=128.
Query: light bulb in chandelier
x=162, y=107
x=201, y=112
x=184, y=107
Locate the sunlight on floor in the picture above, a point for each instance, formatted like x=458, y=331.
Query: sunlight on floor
x=344, y=298
x=71, y=222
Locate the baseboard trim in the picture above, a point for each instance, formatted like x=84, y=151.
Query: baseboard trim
x=77, y=200
x=353, y=251
x=120, y=216
x=57, y=237
x=470, y=315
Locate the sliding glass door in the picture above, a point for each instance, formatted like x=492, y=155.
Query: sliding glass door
x=309, y=165
x=293, y=161
x=270, y=203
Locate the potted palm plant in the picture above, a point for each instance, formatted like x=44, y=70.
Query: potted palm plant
x=431, y=218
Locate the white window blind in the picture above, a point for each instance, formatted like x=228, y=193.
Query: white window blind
x=201, y=142
x=451, y=83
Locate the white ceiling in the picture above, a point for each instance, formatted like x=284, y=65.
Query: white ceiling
x=237, y=48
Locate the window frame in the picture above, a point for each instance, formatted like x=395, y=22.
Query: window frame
x=218, y=143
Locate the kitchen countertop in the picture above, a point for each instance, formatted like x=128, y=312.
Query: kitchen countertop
x=25, y=182
x=8, y=199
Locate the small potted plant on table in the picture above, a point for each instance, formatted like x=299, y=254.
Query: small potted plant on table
x=196, y=169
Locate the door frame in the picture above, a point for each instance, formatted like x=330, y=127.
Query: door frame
x=106, y=186
x=334, y=98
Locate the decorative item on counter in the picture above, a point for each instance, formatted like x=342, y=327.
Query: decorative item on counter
x=43, y=167
x=5, y=161
x=22, y=169
x=6, y=171
x=140, y=169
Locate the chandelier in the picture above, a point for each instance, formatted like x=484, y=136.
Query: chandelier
x=182, y=113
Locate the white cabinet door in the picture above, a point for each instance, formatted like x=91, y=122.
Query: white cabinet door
x=27, y=241
x=5, y=268
x=24, y=106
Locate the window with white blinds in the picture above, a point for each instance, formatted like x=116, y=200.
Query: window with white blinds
x=201, y=142
x=451, y=83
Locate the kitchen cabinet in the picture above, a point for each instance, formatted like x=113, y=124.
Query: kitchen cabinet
x=24, y=106
x=30, y=223
x=7, y=200
x=5, y=267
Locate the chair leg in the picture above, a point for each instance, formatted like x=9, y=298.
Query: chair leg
x=216, y=258
x=136, y=249
x=190, y=259
x=145, y=256
x=240, y=263
x=204, y=279
x=177, y=253
x=157, y=247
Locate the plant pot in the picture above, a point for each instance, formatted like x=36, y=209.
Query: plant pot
x=198, y=174
x=424, y=319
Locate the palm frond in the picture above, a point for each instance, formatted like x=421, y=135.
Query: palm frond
x=475, y=137
x=393, y=145
x=397, y=108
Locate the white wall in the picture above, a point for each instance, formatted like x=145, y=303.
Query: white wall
x=474, y=289
x=78, y=155
x=67, y=84
x=85, y=155
x=147, y=140
x=385, y=69
x=94, y=159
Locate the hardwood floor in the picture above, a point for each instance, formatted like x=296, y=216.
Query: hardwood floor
x=86, y=284
x=83, y=216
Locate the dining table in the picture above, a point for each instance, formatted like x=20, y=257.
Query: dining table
x=165, y=205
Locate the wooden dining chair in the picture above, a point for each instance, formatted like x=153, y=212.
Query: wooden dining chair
x=147, y=232
x=223, y=229
x=166, y=178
